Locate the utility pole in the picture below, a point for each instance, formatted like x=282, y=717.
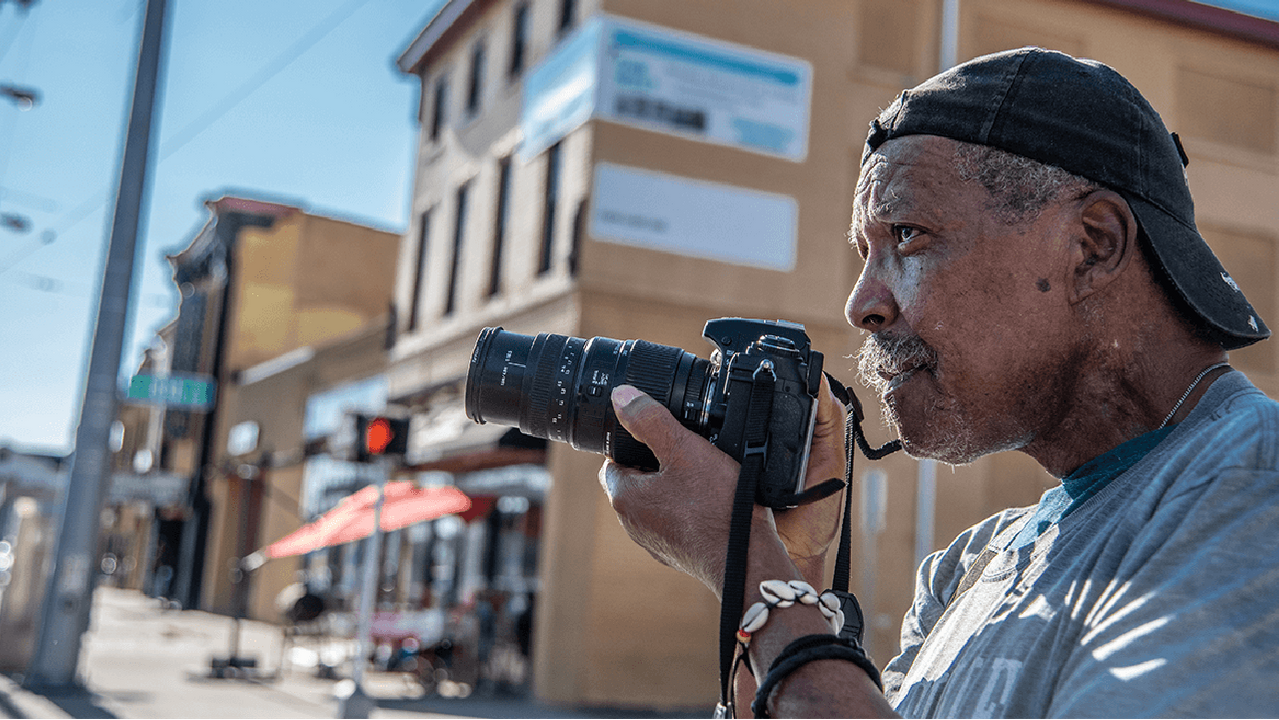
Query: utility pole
x=68, y=596
x=359, y=704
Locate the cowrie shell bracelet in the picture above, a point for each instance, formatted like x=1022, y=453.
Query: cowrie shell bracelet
x=783, y=594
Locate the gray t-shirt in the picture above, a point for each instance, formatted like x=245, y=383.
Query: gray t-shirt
x=1157, y=597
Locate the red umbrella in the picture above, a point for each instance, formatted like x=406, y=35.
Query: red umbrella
x=352, y=519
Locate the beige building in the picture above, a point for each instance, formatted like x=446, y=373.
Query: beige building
x=542, y=206
x=278, y=304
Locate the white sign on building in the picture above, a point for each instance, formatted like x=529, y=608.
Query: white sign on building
x=669, y=81
x=648, y=209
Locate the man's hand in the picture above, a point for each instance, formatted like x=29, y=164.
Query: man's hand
x=681, y=516
x=681, y=513
x=809, y=530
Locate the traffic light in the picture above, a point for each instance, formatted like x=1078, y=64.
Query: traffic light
x=378, y=435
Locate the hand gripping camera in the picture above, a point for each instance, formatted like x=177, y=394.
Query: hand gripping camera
x=755, y=399
x=756, y=394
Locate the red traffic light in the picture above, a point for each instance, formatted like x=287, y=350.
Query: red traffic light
x=381, y=436
x=378, y=436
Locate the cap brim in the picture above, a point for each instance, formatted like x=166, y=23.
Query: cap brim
x=1192, y=269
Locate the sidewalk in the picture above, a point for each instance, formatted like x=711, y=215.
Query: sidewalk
x=141, y=661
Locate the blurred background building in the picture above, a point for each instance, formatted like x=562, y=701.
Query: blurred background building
x=628, y=169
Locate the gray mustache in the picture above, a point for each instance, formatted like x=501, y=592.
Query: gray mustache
x=886, y=354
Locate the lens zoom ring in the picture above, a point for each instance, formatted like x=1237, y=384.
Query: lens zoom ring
x=651, y=368
x=539, y=395
x=629, y=451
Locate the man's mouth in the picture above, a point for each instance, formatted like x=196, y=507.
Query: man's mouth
x=898, y=378
x=888, y=362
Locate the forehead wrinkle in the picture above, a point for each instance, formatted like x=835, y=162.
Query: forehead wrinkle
x=877, y=199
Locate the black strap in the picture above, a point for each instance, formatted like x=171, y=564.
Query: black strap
x=752, y=469
x=804, y=650
x=843, y=557
x=754, y=453
x=853, y=435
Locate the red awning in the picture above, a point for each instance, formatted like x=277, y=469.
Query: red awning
x=352, y=519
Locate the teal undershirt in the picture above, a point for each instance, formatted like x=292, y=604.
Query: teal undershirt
x=1087, y=480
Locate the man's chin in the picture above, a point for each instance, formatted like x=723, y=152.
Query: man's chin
x=952, y=448
x=930, y=442
x=948, y=454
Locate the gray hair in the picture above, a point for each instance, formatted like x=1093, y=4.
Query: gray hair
x=1020, y=188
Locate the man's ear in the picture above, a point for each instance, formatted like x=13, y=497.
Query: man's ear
x=1107, y=242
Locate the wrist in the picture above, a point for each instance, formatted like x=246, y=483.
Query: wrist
x=812, y=568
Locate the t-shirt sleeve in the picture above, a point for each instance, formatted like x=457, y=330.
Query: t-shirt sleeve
x=1190, y=624
x=935, y=583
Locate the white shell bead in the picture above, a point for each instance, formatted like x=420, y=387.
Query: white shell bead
x=802, y=587
x=755, y=617
x=774, y=590
x=830, y=601
x=837, y=622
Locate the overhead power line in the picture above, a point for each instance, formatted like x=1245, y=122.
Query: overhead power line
x=191, y=130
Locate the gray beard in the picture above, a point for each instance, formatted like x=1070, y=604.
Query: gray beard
x=949, y=439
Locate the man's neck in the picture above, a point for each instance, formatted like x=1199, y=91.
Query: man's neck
x=1121, y=401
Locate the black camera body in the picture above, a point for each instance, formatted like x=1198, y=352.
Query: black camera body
x=757, y=394
x=750, y=351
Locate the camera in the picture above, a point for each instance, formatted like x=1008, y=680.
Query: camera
x=757, y=393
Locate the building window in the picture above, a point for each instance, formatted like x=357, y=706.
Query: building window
x=475, y=90
x=501, y=223
x=459, y=232
x=567, y=11
x=419, y=270
x=440, y=107
x=575, y=247
x=550, y=203
x=519, y=40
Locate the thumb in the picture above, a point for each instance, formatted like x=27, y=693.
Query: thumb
x=647, y=420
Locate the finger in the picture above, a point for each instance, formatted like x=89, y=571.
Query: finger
x=616, y=479
x=829, y=408
x=650, y=422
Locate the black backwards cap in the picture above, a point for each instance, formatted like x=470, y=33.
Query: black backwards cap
x=1085, y=118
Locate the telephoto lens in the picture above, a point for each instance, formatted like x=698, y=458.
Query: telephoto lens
x=559, y=388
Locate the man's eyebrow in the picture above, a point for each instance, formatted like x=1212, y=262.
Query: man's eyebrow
x=887, y=206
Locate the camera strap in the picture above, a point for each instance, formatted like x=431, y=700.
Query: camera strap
x=739, y=531
x=739, y=534
x=853, y=435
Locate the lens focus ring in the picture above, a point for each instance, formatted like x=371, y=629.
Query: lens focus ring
x=651, y=368
x=539, y=395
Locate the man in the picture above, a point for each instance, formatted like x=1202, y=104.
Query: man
x=1033, y=281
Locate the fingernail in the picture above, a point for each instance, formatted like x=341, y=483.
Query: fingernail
x=623, y=395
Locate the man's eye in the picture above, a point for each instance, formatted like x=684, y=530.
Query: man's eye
x=905, y=234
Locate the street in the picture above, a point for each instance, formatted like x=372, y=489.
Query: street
x=145, y=661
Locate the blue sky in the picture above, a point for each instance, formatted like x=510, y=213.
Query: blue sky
x=1268, y=9
x=284, y=99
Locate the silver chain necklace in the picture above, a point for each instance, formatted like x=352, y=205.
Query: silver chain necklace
x=1189, y=390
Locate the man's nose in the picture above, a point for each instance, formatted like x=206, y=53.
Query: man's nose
x=871, y=305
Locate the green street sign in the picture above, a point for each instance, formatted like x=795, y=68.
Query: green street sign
x=189, y=392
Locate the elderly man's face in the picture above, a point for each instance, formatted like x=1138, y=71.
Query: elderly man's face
x=973, y=327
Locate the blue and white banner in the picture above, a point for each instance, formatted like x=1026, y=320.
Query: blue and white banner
x=669, y=81
x=559, y=94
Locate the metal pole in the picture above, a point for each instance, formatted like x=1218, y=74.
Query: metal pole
x=358, y=704
x=68, y=596
x=948, y=57
x=925, y=504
